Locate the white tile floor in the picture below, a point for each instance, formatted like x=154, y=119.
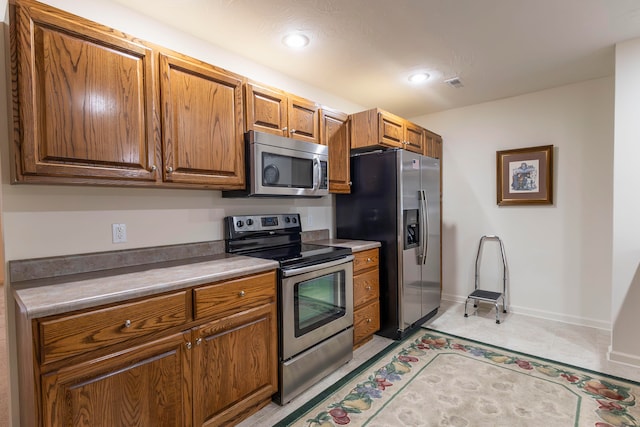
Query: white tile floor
x=575, y=345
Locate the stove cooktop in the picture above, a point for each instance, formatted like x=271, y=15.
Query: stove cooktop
x=300, y=255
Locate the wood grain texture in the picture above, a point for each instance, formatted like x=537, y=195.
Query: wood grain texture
x=85, y=95
x=365, y=260
x=226, y=297
x=433, y=145
x=391, y=130
x=265, y=109
x=366, y=287
x=414, y=137
x=303, y=119
x=334, y=132
x=366, y=321
x=144, y=386
x=203, y=139
x=235, y=364
x=68, y=335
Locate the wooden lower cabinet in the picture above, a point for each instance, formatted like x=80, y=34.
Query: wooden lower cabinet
x=233, y=366
x=366, y=294
x=215, y=368
x=147, y=385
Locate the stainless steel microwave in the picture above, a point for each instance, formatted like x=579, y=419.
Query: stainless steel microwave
x=279, y=166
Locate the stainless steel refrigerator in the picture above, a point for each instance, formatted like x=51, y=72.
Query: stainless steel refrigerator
x=395, y=199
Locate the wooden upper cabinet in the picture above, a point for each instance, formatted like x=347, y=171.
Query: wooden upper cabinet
x=84, y=100
x=334, y=132
x=414, y=137
x=433, y=145
x=391, y=130
x=202, y=124
x=274, y=111
x=378, y=128
x=266, y=110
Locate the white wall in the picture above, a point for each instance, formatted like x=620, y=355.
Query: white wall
x=559, y=256
x=625, y=346
x=41, y=221
x=56, y=220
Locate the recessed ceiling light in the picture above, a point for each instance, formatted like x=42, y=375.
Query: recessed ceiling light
x=419, y=77
x=295, y=40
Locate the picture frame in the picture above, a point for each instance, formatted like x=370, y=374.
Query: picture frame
x=525, y=176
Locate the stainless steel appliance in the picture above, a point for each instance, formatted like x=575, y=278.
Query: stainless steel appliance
x=315, y=297
x=395, y=199
x=279, y=166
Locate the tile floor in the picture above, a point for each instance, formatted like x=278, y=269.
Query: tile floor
x=576, y=345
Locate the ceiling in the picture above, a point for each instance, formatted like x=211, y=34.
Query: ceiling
x=364, y=50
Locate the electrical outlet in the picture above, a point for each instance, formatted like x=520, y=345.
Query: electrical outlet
x=119, y=233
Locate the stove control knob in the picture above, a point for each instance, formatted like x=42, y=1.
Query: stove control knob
x=249, y=221
x=287, y=219
x=239, y=224
x=294, y=220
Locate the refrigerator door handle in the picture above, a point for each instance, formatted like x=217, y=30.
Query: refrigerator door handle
x=424, y=219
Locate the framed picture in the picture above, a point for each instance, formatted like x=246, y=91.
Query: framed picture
x=525, y=176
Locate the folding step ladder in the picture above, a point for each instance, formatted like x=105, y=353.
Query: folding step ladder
x=489, y=296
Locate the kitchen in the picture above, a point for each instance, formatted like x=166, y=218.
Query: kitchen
x=44, y=221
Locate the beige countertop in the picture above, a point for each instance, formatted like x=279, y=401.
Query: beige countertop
x=45, y=297
x=355, y=245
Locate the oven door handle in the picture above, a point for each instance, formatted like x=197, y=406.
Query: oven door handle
x=315, y=267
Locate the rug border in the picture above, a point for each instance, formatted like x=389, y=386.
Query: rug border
x=569, y=365
x=304, y=408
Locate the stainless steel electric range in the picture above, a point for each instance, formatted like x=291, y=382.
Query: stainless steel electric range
x=315, y=297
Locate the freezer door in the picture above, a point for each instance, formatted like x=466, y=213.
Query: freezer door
x=410, y=281
x=430, y=268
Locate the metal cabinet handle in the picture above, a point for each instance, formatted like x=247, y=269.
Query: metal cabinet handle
x=127, y=323
x=284, y=129
x=188, y=344
x=369, y=320
x=199, y=341
x=369, y=260
x=169, y=169
x=293, y=131
x=368, y=288
x=241, y=293
x=153, y=168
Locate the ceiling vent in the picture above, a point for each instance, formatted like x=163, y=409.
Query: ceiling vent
x=454, y=82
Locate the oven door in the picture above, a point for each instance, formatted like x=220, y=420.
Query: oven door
x=317, y=303
x=289, y=171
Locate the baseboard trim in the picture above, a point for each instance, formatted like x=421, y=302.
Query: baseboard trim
x=542, y=314
x=623, y=358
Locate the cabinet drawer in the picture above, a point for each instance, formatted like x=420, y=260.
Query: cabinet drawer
x=366, y=321
x=365, y=287
x=232, y=295
x=365, y=260
x=70, y=335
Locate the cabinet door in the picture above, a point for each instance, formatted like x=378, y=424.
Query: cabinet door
x=391, y=130
x=303, y=119
x=414, y=138
x=148, y=385
x=265, y=110
x=235, y=365
x=433, y=146
x=86, y=101
x=335, y=133
x=203, y=141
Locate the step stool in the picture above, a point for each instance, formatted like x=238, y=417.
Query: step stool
x=489, y=296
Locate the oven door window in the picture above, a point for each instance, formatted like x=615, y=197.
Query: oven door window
x=286, y=171
x=318, y=301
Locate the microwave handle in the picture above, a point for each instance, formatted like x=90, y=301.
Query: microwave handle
x=317, y=168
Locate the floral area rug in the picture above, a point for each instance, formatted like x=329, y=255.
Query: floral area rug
x=435, y=379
